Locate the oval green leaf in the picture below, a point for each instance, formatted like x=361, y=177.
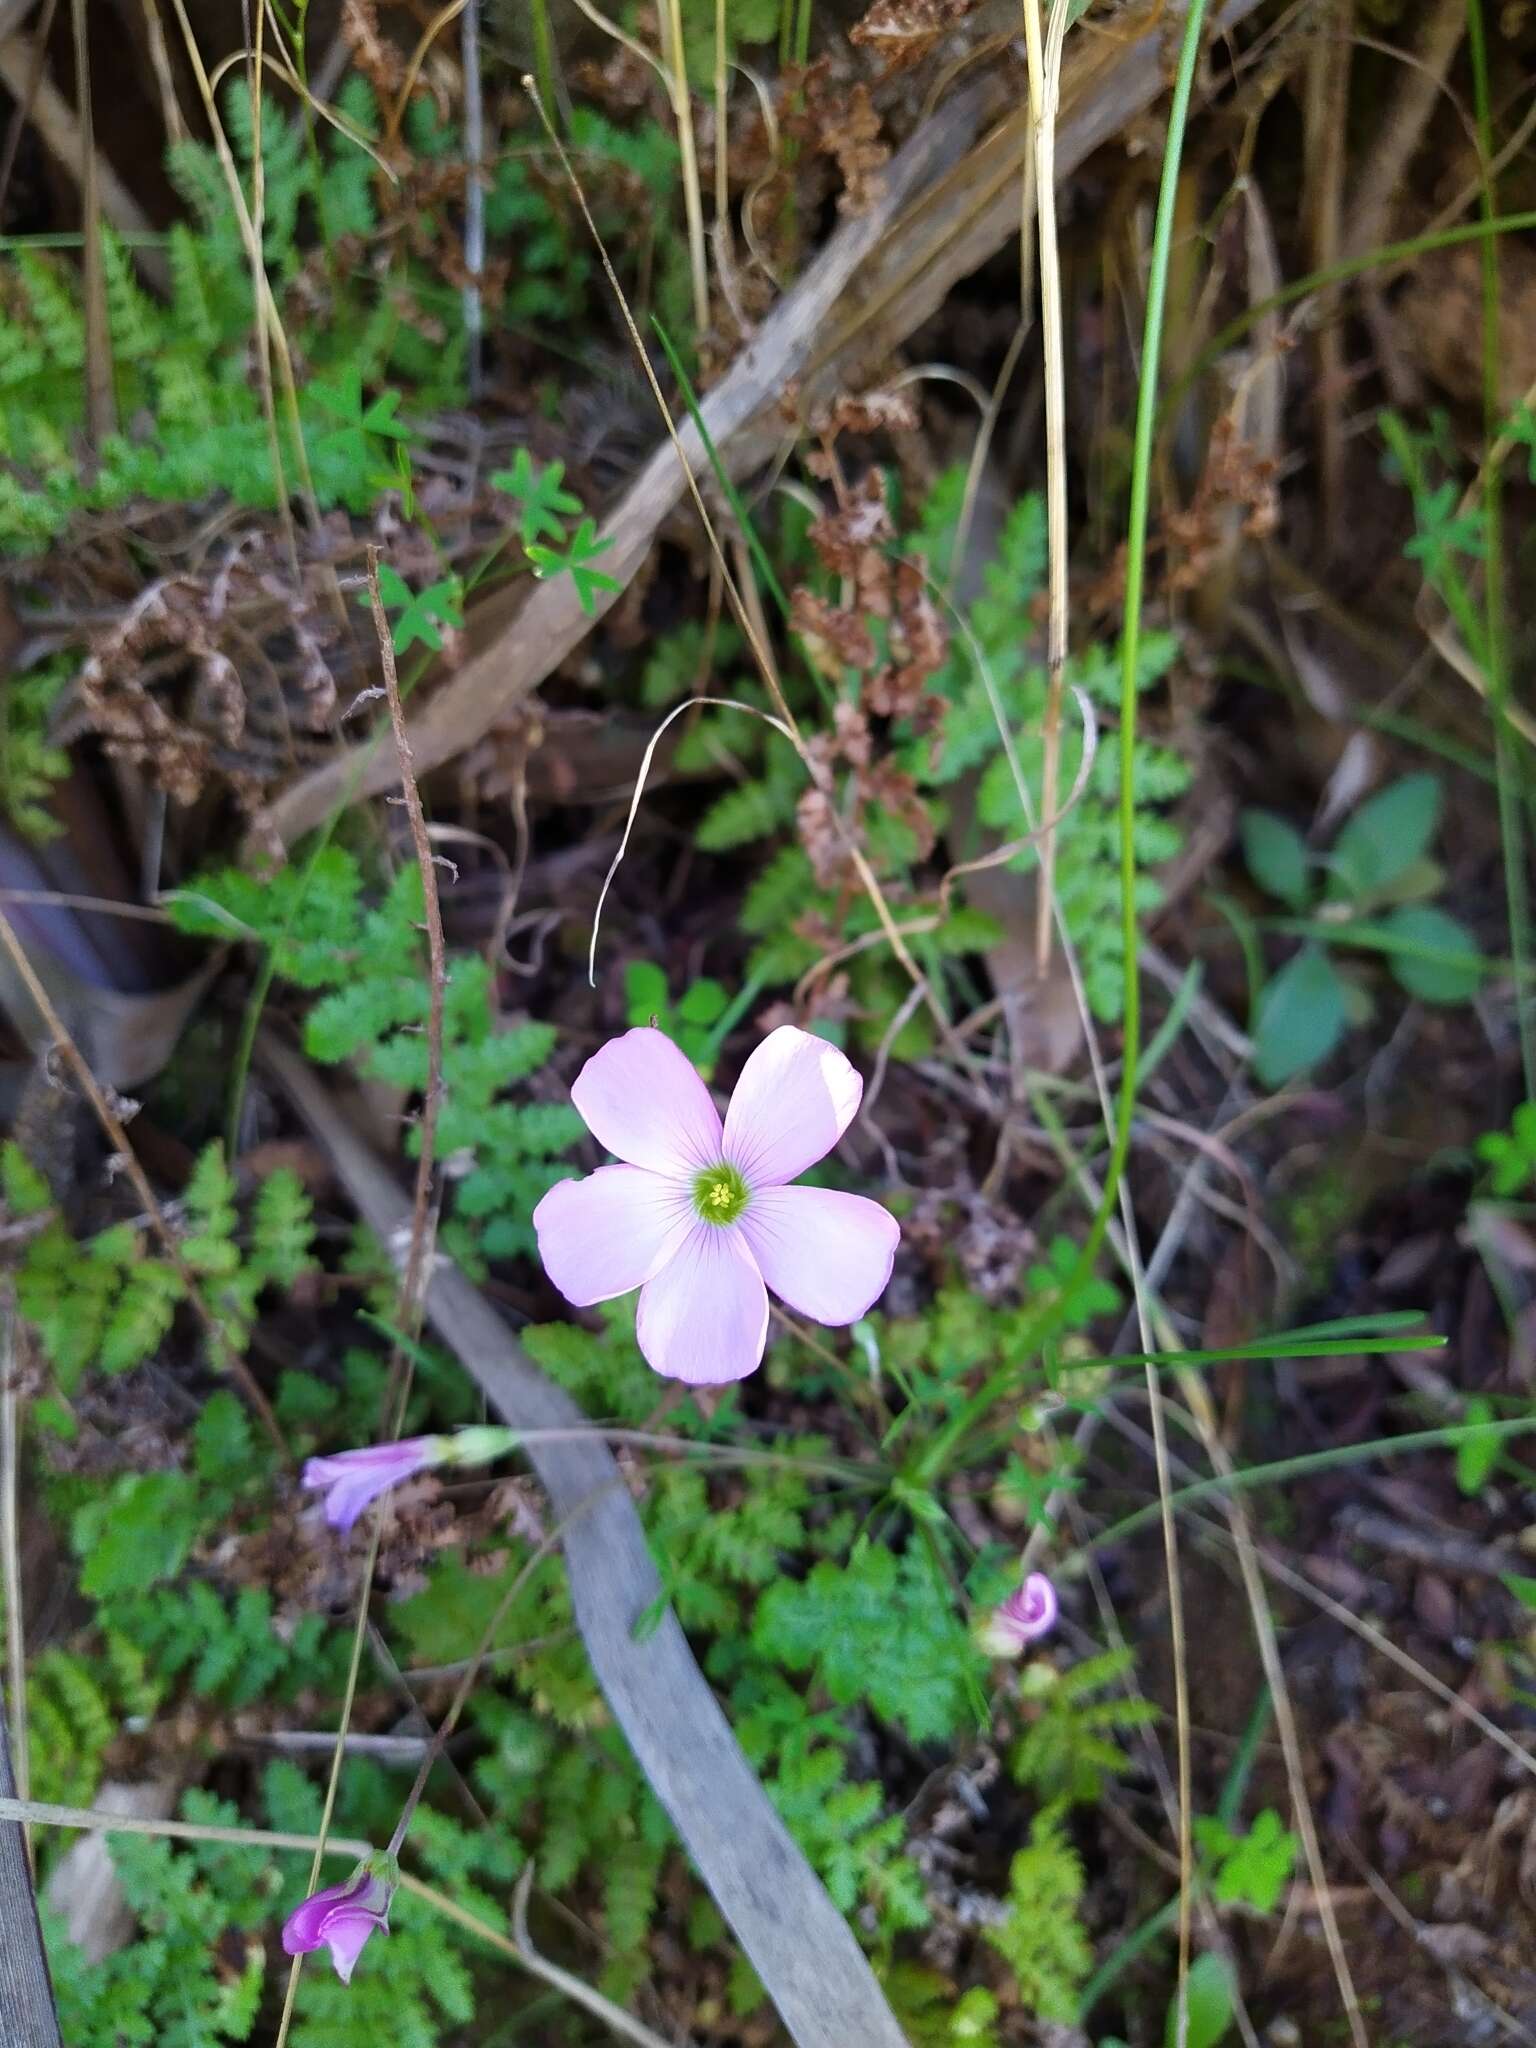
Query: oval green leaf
x=1441, y=961
x=1386, y=836
x=1209, y=1993
x=1276, y=855
x=1300, y=1017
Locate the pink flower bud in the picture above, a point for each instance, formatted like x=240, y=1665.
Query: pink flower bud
x=1023, y=1618
x=342, y=1917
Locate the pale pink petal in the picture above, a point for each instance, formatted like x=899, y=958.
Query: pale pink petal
x=639, y=1096
x=826, y=1254
x=352, y=1479
x=609, y=1233
x=346, y=1936
x=704, y=1318
x=795, y=1099
x=341, y=1918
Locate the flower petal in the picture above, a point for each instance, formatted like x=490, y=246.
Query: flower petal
x=704, y=1318
x=639, y=1096
x=828, y=1255
x=352, y=1479
x=340, y=1918
x=602, y=1236
x=795, y=1099
x=346, y=1936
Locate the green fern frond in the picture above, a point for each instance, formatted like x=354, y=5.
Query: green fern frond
x=1073, y=1741
x=1042, y=1939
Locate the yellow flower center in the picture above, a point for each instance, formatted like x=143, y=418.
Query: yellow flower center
x=720, y=1194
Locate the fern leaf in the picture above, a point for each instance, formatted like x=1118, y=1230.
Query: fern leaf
x=141, y=1316
x=1042, y=1939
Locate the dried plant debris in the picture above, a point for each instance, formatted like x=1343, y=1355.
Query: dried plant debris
x=201, y=685
x=900, y=33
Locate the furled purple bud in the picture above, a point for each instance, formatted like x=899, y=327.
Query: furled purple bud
x=1023, y=1618
x=351, y=1479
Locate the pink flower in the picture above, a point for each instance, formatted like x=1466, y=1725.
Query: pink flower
x=354, y=1478
x=701, y=1217
x=1023, y=1618
x=342, y=1917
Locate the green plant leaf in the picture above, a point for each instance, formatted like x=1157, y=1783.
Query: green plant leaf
x=540, y=493
x=884, y=1629
x=137, y=1532
x=1450, y=969
x=645, y=991
x=1209, y=1992
x=1385, y=837
x=1477, y=1455
x=1042, y=1938
x=23, y=1189
x=1255, y=1867
x=1277, y=857
x=1512, y=1153
x=420, y=612
x=703, y=1002
x=1300, y=1017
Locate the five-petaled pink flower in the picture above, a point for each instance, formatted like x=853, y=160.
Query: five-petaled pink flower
x=701, y=1215
x=352, y=1479
x=343, y=1916
x=1022, y=1619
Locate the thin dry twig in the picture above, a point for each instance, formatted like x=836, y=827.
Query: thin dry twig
x=1400, y=129
x=24, y=74
x=10, y=1547
x=411, y=1301
x=688, y=705
x=474, y=196
x=675, y=54
x=437, y=959
x=1045, y=109
x=1327, y=97
x=270, y=336
x=13, y=12
x=100, y=397
x=624, y=2024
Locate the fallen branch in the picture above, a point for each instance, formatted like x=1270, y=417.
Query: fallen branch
x=552, y=620
x=949, y=203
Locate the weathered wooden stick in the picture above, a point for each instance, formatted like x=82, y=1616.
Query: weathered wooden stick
x=27, y=2015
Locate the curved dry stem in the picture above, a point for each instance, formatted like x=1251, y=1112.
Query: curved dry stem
x=279, y=62
x=622, y=2023
x=677, y=711
x=444, y=18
